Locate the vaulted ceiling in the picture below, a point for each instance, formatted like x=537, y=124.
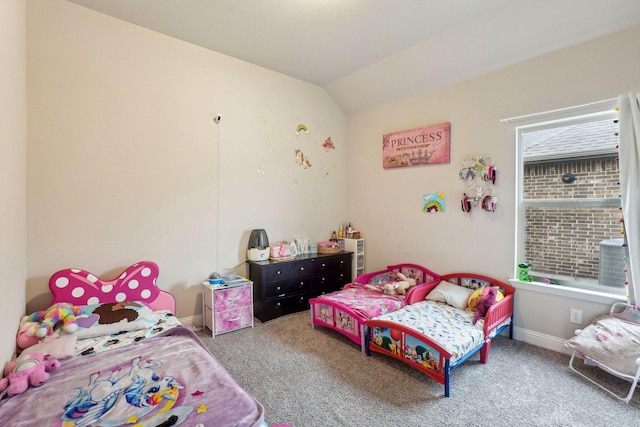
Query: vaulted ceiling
x=370, y=52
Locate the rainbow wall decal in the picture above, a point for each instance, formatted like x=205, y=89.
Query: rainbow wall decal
x=302, y=128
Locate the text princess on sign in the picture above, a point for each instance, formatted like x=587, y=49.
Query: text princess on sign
x=422, y=146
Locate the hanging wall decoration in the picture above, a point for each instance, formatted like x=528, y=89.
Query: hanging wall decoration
x=479, y=173
x=415, y=147
x=433, y=202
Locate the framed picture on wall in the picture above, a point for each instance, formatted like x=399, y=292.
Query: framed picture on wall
x=427, y=145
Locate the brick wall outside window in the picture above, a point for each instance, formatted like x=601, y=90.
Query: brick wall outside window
x=566, y=241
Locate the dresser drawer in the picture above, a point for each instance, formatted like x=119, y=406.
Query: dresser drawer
x=228, y=299
x=280, y=307
x=287, y=270
x=230, y=320
x=288, y=288
x=333, y=264
x=329, y=282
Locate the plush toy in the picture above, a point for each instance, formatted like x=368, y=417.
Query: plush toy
x=31, y=371
x=487, y=301
x=400, y=286
x=27, y=335
x=60, y=314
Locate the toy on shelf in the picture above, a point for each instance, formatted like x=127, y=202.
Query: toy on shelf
x=523, y=272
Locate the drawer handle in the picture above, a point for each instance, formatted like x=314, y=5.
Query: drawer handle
x=324, y=265
x=301, y=268
x=233, y=299
x=278, y=272
x=281, y=295
x=278, y=288
x=234, y=320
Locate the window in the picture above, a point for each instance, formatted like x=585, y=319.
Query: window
x=568, y=212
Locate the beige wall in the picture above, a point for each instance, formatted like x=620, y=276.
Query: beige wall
x=385, y=204
x=123, y=154
x=13, y=142
x=123, y=158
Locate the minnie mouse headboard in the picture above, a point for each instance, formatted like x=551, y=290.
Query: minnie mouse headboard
x=136, y=283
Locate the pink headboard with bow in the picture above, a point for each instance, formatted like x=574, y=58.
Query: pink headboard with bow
x=136, y=283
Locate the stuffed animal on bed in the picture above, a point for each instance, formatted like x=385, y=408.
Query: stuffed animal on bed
x=30, y=371
x=59, y=315
x=400, y=286
x=27, y=335
x=487, y=301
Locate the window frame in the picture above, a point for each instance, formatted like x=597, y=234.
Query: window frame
x=603, y=110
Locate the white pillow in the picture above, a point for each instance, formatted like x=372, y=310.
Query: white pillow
x=59, y=348
x=454, y=295
x=112, y=318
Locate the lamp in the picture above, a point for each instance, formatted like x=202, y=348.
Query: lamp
x=258, y=247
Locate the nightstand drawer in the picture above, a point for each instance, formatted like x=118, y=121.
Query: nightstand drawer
x=230, y=320
x=227, y=299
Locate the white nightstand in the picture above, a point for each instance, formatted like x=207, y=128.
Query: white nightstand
x=227, y=308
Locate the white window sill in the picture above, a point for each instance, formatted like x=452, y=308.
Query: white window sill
x=568, y=292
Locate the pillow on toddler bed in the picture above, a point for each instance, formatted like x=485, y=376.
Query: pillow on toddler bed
x=60, y=348
x=112, y=318
x=454, y=295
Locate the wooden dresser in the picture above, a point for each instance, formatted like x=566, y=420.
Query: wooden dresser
x=284, y=287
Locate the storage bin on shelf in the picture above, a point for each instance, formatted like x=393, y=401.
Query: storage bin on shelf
x=329, y=247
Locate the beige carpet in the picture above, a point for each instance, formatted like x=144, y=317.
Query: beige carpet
x=310, y=378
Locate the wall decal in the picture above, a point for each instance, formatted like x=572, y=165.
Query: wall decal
x=328, y=145
x=422, y=146
x=302, y=128
x=281, y=137
x=302, y=160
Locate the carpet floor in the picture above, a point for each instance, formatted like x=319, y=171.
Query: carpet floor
x=317, y=377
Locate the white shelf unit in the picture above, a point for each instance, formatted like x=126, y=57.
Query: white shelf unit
x=357, y=247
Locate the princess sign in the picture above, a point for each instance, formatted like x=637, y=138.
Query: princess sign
x=422, y=146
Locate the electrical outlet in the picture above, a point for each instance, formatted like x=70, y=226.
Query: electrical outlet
x=575, y=316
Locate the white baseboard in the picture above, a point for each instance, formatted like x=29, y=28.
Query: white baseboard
x=540, y=340
x=531, y=337
x=192, y=321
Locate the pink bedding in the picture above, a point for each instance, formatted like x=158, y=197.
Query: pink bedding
x=366, y=302
x=168, y=379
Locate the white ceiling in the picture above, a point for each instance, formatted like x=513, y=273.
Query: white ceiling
x=371, y=52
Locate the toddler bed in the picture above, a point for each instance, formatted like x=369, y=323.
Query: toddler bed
x=347, y=310
x=129, y=363
x=437, y=333
x=612, y=343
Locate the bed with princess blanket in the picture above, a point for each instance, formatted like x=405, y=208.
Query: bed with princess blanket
x=452, y=321
x=347, y=310
x=129, y=362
